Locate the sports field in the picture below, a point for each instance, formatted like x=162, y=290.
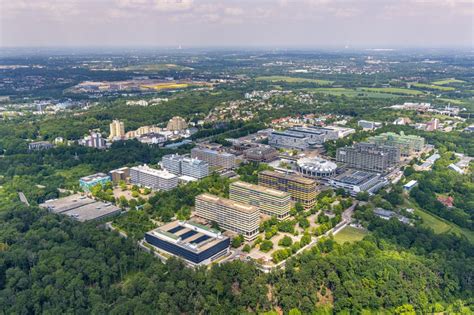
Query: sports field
x=350, y=234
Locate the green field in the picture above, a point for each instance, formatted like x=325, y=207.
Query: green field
x=433, y=87
x=392, y=90
x=156, y=67
x=440, y=225
x=278, y=78
x=366, y=92
x=447, y=81
x=350, y=234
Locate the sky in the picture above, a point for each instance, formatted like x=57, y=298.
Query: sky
x=239, y=23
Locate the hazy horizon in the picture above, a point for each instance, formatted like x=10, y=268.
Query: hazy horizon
x=284, y=24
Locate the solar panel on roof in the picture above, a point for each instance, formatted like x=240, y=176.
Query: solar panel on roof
x=200, y=239
x=188, y=235
x=176, y=229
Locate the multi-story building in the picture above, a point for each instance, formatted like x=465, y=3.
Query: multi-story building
x=172, y=163
x=177, y=124
x=408, y=144
x=146, y=176
x=94, y=140
x=195, y=243
x=302, y=190
x=117, y=130
x=87, y=182
x=270, y=201
x=214, y=158
x=194, y=168
x=119, y=174
x=230, y=215
x=261, y=154
x=316, y=167
x=369, y=157
x=39, y=145
x=288, y=139
x=181, y=165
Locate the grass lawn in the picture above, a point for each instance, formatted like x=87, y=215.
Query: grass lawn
x=393, y=90
x=280, y=78
x=433, y=87
x=447, y=81
x=350, y=92
x=350, y=234
x=439, y=225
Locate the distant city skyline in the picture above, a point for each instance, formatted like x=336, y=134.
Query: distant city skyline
x=245, y=23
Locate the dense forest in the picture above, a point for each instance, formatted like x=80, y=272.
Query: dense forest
x=52, y=264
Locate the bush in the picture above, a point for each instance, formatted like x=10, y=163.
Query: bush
x=286, y=241
x=247, y=248
x=266, y=246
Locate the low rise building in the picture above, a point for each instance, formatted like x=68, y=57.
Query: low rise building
x=272, y=202
x=230, y=215
x=39, y=145
x=261, y=154
x=194, y=243
x=120, y=174
x=409, y=186
x=369, y=125
x=354, y=181
x=87, y=182
x=302, y=190
x=81, y=208
x=146, y=176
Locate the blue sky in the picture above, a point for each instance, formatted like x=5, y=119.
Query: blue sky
x=277, y=23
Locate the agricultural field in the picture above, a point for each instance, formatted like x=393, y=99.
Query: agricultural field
x=277, y=78
x=447, y=81
x=433, y=87
x=166, y=86
x=350, y=234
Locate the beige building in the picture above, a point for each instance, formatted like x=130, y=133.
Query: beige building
x=143, y=130
x=177, y=124
x=117, y=130
x=270, y=201
x=230, y=215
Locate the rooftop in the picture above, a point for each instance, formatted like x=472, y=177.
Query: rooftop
x=151, y=171
x=295, y=178
x=94, y=177
x=353, y=177
x=261, y=189
x=241, y=207
x=80, y=207
x=189, y=235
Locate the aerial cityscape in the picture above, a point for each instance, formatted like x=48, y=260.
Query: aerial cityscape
x=231, y=157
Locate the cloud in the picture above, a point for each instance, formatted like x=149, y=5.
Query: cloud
x=173, y=5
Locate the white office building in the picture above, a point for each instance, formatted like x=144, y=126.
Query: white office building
x=146, y=176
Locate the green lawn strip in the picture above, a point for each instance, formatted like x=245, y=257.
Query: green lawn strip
x=278, y=78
